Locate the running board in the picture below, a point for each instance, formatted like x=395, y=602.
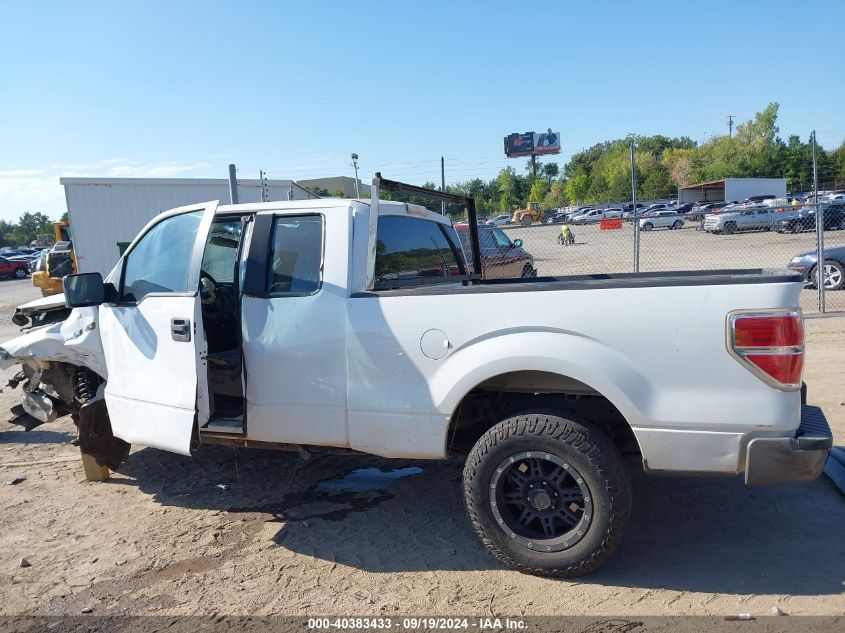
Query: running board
x=224, y=425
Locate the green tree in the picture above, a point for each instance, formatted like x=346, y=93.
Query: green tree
x=576, y=188
x=29, y=225
x=539, y=189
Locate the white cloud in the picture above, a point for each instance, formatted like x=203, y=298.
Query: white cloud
x=38, y=189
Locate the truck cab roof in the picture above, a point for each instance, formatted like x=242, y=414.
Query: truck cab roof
x=385, y=207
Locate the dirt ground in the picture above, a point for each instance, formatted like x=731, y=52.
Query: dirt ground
x=259, y=532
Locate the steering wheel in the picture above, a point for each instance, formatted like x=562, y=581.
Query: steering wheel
x=210, y=291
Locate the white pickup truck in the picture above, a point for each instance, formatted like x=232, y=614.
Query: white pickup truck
x=326, y=325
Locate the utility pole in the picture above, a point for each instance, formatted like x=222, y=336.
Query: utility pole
x=233, y=184
x=265, y=189
x=442, y=184
x=731, y=125
x=634, y=212
x=820, y=263
x=355, y=166
x=534, y=165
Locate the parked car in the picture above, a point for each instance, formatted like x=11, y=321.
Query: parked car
x=758, y=199
x=630, y=214
x=559, y=217
x=29, y=260
x=11, y=268
x=702, y=209
x=743, y=218
x=654, y=208
x=501, y=258
x=804, y=219
x=834, y=267
x=662, y=220
x=358, y=338
x=684, y=208
x=500, y=220
x=595, y=215
x=629, y=208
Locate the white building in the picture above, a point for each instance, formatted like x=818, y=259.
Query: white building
x=729, y=189
x=104, y=212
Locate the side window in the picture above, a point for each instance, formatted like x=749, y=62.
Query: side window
x=221, y=251
x=413, y=251
x=296, y=261
x=502, y=240
x=160, y=261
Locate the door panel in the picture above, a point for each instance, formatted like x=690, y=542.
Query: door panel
x=157, y=385
x=294, y=329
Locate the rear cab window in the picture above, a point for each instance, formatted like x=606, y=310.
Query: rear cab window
x=415, y=251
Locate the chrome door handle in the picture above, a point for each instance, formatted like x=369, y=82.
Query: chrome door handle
x=180, y=329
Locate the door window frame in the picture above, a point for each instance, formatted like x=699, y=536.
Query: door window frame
x=194, y=266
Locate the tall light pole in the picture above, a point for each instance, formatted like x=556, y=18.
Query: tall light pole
x=731, y=124
x=355, y=166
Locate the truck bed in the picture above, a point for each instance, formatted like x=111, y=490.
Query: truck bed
x=601, y=281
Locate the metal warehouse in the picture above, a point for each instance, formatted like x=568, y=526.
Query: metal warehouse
x=104, y=212
x=729, y=189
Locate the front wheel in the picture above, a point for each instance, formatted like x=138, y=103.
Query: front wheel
x=529, y=271
x=20, y=273
x=730, y=228
x=648, y=226
x=834, y=275
x=677, y=224
x=547, y=495
x=526, y=220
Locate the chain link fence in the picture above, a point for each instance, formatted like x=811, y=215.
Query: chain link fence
x=664, y=236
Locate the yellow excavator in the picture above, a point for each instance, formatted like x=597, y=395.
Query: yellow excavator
x=58, y=262
x=527, y=217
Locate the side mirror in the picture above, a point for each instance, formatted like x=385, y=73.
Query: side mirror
x=517, y=243
x=84, y=289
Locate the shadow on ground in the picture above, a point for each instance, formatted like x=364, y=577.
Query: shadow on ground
x=685, y=534
x=35, y=437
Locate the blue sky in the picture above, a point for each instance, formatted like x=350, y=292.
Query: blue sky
x=184, y=88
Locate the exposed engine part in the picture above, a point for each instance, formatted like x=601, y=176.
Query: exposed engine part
x=15, y=380
x=39, y=405
x=22, y=418
x=85, y=383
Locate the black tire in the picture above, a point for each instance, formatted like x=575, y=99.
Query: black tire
x=20, y=273
x=528, y=271
x=592, y=464
x=648, y=226
x=526, y=220
x=678, y=224
x=730, y=228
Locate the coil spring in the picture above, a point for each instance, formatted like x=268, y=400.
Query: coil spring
x=85, y=385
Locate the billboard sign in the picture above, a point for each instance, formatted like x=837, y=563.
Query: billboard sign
x=528, y=143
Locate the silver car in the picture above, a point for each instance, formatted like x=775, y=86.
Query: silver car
x=745, y=218
x=662, y=220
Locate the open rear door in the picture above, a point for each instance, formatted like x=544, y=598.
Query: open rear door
x=153, y=340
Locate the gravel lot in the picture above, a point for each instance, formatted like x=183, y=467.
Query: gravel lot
x=597, y=251
x=259, y=532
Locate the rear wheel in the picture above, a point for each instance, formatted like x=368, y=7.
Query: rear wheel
x=20, y=273
x=730, y=228
x=677, y=224
x=648, y=226
x=547, y=495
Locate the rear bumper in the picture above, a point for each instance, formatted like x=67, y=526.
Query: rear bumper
x=776, y=460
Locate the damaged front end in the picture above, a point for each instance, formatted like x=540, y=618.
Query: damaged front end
x=63, y=372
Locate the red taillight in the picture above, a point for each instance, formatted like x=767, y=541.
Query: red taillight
x=768, y=331
x=770, y=344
